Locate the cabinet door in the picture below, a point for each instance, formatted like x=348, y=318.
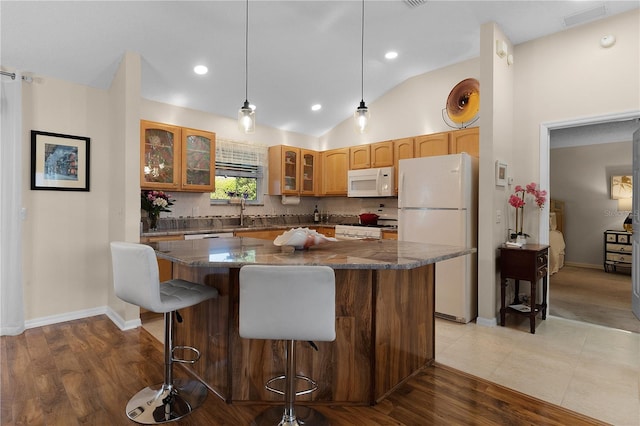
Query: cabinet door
x=382, y=154
x=284, y=170
x=335, y=164
x=466, y=140
x=290, y=170
x=359, y=157
x=198, y=160
x=159, y=156
x=309, y=172
x=402, y=148
x=269, y=234
x=430, y=145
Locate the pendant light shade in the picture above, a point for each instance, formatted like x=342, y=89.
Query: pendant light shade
x=246, y=114
x=246, y=118
x=362, y=115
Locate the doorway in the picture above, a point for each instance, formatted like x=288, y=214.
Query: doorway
x=624, y=121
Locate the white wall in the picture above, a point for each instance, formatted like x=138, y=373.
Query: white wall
x=568, y=76
x=65, y=234
x=497, y=106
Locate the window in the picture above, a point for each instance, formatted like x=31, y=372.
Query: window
x=239, y=171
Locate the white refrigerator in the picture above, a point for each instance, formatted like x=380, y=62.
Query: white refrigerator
x=437, y=203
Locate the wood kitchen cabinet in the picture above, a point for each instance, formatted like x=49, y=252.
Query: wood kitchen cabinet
x=327, y=231
x=402, y=148
x=431, y=145
x=444, y=143
x=382, y=154
x=310, y=172
x=175, y=158
x=263, y=234
x=379, y=154
x=293, y=171
x=466, y=140
x=335, y=165
x=360, y=157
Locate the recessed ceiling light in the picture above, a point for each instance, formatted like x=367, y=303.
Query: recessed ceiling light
x=316, y=107
x=200, y=69
x=391, y=55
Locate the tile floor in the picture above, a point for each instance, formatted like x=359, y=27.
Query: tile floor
x=585, y=368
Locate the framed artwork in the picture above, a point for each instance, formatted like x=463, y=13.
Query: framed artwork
x=621, y=187
x=59, y=162
x=501, y=173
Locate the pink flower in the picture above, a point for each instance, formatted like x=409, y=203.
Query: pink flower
x=516, y=201
x=519, y=188
x=531, y=188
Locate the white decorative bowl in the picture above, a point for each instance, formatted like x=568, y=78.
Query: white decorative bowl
x=301, y=238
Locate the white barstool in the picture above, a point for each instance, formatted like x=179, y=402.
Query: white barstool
x=288, y=303
x=136, y=281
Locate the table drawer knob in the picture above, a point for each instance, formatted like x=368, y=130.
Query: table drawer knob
x=542, y=272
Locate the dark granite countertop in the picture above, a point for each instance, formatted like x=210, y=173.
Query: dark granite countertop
x=350, y=254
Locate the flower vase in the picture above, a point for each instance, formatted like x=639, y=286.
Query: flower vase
x=153, y=221
x=521, y=239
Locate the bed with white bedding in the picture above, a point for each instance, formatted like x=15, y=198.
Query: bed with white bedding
x=556, y=237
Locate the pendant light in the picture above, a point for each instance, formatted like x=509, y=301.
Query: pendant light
x=362, y=115
x=246, y=114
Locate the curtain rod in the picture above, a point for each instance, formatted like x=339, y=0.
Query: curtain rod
x=13, y=76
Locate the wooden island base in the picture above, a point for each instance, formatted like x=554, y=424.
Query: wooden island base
x=384, y=334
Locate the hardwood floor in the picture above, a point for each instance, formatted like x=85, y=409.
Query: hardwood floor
x=593, y=296
x=84, y=371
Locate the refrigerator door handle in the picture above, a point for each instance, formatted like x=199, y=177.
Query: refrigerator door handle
x=400, y=189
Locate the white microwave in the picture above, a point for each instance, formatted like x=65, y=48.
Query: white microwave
x=371, y=182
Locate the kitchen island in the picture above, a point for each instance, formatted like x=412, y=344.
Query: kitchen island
x=385, y=298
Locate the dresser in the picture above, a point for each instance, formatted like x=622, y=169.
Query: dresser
x=617, y=250
x=526, y=263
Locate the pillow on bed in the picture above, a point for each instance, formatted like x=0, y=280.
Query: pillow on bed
x=553, y=224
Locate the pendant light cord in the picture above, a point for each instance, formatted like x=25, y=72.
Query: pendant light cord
x=362, y=55
x=246, y=56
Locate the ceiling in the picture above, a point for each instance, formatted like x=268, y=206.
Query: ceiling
x=300, y=52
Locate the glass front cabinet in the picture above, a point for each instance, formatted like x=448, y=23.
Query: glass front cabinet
x=175, y=158
x=292, y=171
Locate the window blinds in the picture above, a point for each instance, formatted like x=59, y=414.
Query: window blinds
x=240, y=157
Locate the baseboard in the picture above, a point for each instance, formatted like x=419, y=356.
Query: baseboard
x=85, y=313
x=487, y=322
x=67, y=316
x=120, y=322
x=584, y=265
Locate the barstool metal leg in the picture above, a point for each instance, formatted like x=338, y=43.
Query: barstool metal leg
x=170, y=400
x=292, y=415
x=289, y=415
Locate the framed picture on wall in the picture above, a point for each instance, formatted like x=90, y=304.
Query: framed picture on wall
x=501, y=173
x=621, y=187
x=59, y=162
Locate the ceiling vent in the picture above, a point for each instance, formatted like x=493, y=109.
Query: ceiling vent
x=585, y=16
x=414, y=3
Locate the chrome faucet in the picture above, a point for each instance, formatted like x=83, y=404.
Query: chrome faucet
x=242, y=209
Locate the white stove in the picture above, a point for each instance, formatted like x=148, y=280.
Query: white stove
x=388, y=219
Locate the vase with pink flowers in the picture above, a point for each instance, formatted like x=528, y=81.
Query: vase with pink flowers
x=154, y=202
x=517, y=200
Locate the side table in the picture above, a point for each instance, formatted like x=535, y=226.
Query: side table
x=527, y=263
